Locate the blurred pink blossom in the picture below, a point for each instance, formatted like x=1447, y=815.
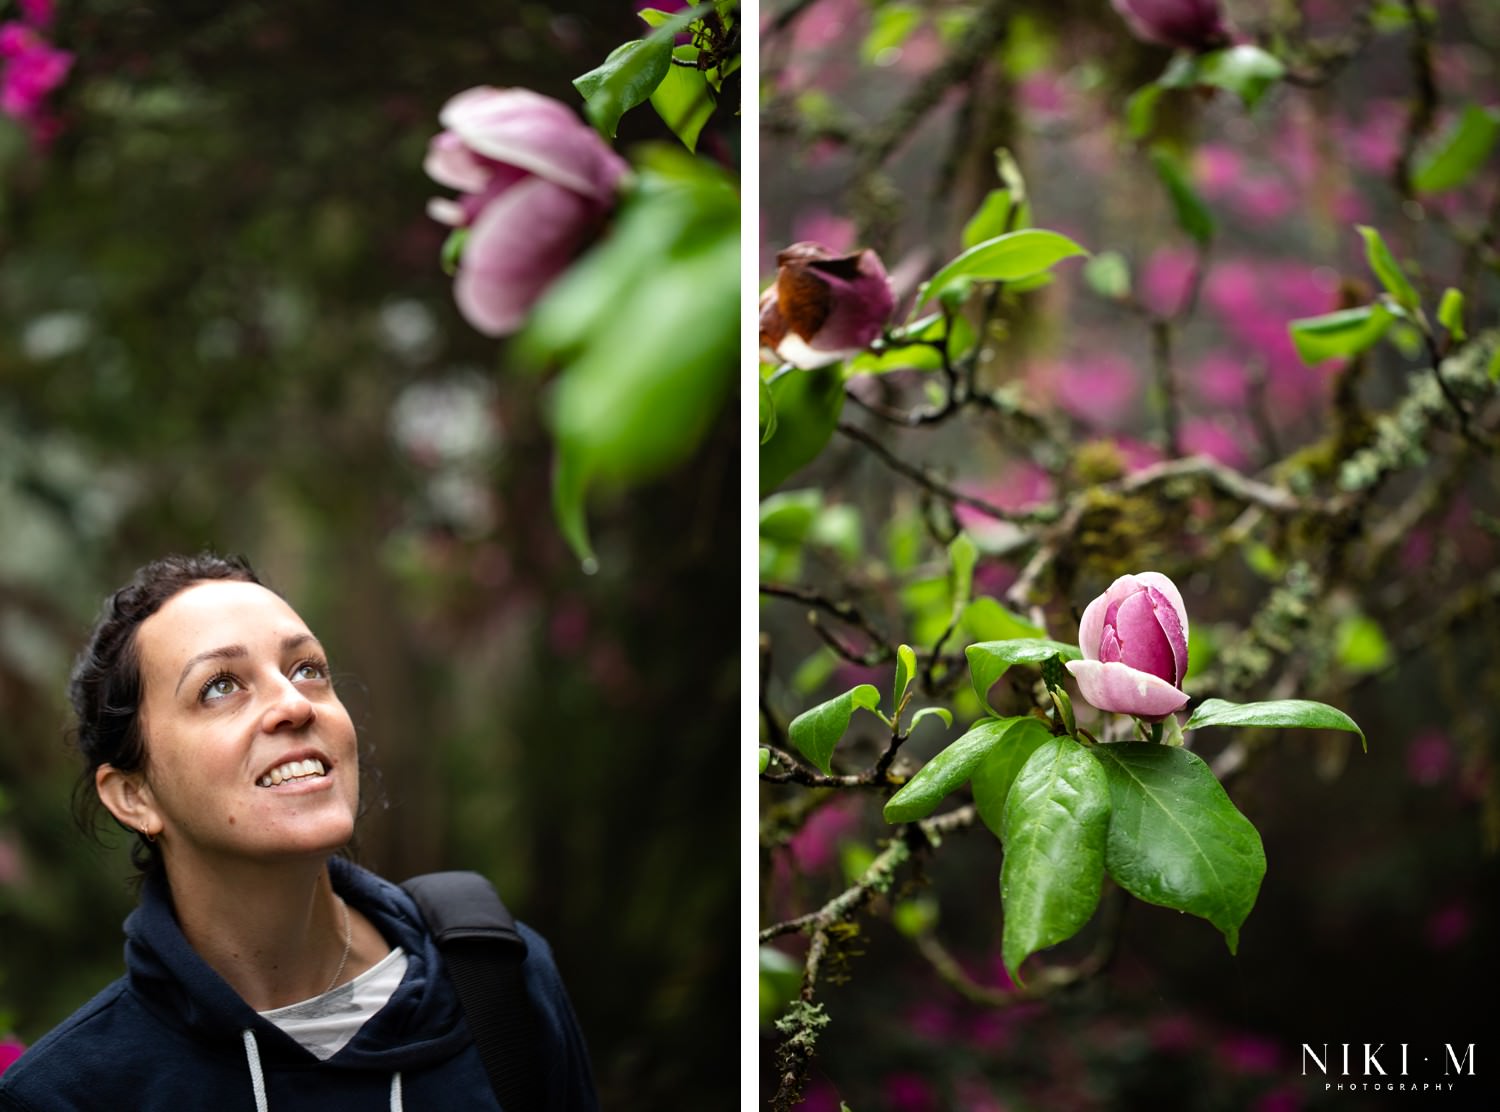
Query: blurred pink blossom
x=38, y=13
x=931, y=1021
x=825, y=227
x=1221, y=379
x=1018, y=487
x=30, y=69
x=11, y=1048
x=1173, y=1034
x=1246, y=1053
x=1286, y=1098
x=815, y=847
x=568, y=630
x=1164, y=281
x=12, y=864
x=1205, y=436
x=1448, y=926
x=821, y=1097
x=909, y=1092
x=1102, y=388
x=535, y=183
x=1429, y=758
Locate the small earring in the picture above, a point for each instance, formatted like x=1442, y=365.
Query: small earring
x=150, y=837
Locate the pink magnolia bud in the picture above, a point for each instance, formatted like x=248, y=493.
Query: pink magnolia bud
x=536, y=183
x=823, y=307
x=1135, y=648
x=1182, y=24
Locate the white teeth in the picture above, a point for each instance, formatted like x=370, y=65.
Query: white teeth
x=292, y=770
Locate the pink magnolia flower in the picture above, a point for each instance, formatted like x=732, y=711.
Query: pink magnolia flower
x=824, y=306
x=1134, y=639
x=30, y=68
x=1182, y=24
x=536, y=183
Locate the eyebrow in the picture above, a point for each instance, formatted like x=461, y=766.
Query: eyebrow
x=235, y=652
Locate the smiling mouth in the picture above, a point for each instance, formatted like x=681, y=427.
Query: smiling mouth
x=294, y=772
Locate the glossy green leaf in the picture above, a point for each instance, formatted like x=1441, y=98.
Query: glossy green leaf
x=1192, y=214
x=955, y=332
x=627, y=78
x=1459, y=153
x=1451, y=314
x=1005, y=258
x=990, y=220
x=1056, y=821
x=1278, y=713
x=816, y=732
x=808, y=405
x=1340, y=335
x=989, y=660
x=1108, y=275
x=763, y=760
x=1176, y=840
x=906, y=670
x=684, y=100
x=946, y=772
x=931, y=712
x=1388, y=270
x=985, y=619
x=992, y=777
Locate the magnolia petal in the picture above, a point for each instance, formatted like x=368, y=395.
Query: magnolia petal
x=1160, y=582
x=450, y=162
x=1184, y=24
x=1121, y=689
x=536, y=133
x=518, y=246
x=1143, y=643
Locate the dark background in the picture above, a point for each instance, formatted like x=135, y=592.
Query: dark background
x=223, y=323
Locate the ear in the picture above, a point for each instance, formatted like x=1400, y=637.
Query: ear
x=129, y=799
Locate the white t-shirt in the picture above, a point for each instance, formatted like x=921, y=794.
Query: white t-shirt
x=326, y=1023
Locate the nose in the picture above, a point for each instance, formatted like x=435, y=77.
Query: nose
x=289, y=708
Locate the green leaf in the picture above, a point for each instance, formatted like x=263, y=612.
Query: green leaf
x=992, y=777
x=1279, y=713
x=990, y=220
x=627, y=78
x=1140, y=110
x=1193, y=216
x=962, y=556
x=815, y=732
x=916, y=916
x=780, y=980
x=1054, y=830
x=948, y=771
x=891, y=26
x=684, y=100
x=808, y=405
x=1176, y=840
x=1459, y=153
x=985, y=619
x=930, y=712
x=1388, y=270
x=786, y=517
x=763, y=761
x=453, y=250
x=1339, y=335
x=1108, y=275
x=841, y=529
x=955, y=331
x=989, y=660
x=906, y=670
x=1360, y=644
x=1005, y=258
x=767, y=412
x=629, y=403
x=1246, y=71
x=1451, y=314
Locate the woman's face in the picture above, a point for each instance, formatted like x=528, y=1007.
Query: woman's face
x=237, y=701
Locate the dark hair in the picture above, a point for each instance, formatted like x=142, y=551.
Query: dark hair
x=105, y=686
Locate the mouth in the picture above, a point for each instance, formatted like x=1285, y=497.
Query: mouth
x=298, y=771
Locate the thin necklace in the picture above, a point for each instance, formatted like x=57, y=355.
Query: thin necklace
x=348, y=941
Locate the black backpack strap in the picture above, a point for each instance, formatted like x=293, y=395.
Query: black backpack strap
x=484, y=951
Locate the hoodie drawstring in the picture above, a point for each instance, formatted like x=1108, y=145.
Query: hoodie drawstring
x=258, y=1079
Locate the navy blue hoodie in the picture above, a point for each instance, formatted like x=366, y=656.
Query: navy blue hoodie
x=172, y=1034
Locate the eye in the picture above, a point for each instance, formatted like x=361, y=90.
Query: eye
x=310, y=670
x=220, y=687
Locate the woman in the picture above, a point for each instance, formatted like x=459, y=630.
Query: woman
x=263, y=971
